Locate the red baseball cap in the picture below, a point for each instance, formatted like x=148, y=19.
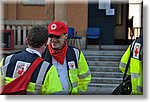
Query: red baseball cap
x=57, y=28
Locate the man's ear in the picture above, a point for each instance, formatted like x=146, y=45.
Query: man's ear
x=66, y=36
x=27, y=40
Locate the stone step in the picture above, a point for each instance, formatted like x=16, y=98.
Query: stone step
x=99, y=90
x=106, y=80
x=103, y=58
x=114, y=47
x=102, y=52
x=103, y=63
x=107, y=74
x=99, y=85
x=107, y=47
x=104, y=68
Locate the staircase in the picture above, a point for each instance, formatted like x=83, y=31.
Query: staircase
x=104, y=67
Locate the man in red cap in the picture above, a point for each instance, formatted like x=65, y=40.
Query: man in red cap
x=69, y=61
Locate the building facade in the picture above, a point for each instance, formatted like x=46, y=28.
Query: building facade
x=110, y=17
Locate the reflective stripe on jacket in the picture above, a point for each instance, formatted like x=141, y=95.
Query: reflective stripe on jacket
x=41, y=80
x=79, y=76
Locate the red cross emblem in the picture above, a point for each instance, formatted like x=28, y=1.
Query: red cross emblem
x=136, y=51
x=20, y=68
x=71, y=65
x=53, y=26
x=20, y=71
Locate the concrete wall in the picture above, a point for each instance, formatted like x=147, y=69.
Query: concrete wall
x=75, y=14
x=77, y=17
x=13, y=11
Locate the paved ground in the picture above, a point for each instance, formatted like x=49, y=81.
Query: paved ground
x=99, y=91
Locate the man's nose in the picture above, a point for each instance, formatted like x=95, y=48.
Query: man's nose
x=54, y=39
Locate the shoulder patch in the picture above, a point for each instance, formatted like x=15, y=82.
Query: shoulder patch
x=136, y=50
x=71, y=65
x=20, y=68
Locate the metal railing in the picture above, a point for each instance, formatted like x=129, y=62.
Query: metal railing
x=20, y=28
x=137, y=32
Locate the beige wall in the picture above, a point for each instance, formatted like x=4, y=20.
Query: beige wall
x=10, y=11
x=75, y=14
x=77, y=17
x=26, y=12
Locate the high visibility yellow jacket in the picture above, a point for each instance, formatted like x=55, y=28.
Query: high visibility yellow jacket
x=79, y=76
x=135, y=66
x=44, y=80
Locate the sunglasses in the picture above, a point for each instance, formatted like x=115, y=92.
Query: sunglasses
x=56, y=36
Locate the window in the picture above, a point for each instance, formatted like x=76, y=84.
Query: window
x=7, y=41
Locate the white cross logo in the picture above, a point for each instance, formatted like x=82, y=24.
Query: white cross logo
x=53, y=26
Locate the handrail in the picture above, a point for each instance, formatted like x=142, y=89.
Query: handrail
x=20, y=28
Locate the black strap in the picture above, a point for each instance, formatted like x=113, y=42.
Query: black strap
x=127, y=66
x=131, y=48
